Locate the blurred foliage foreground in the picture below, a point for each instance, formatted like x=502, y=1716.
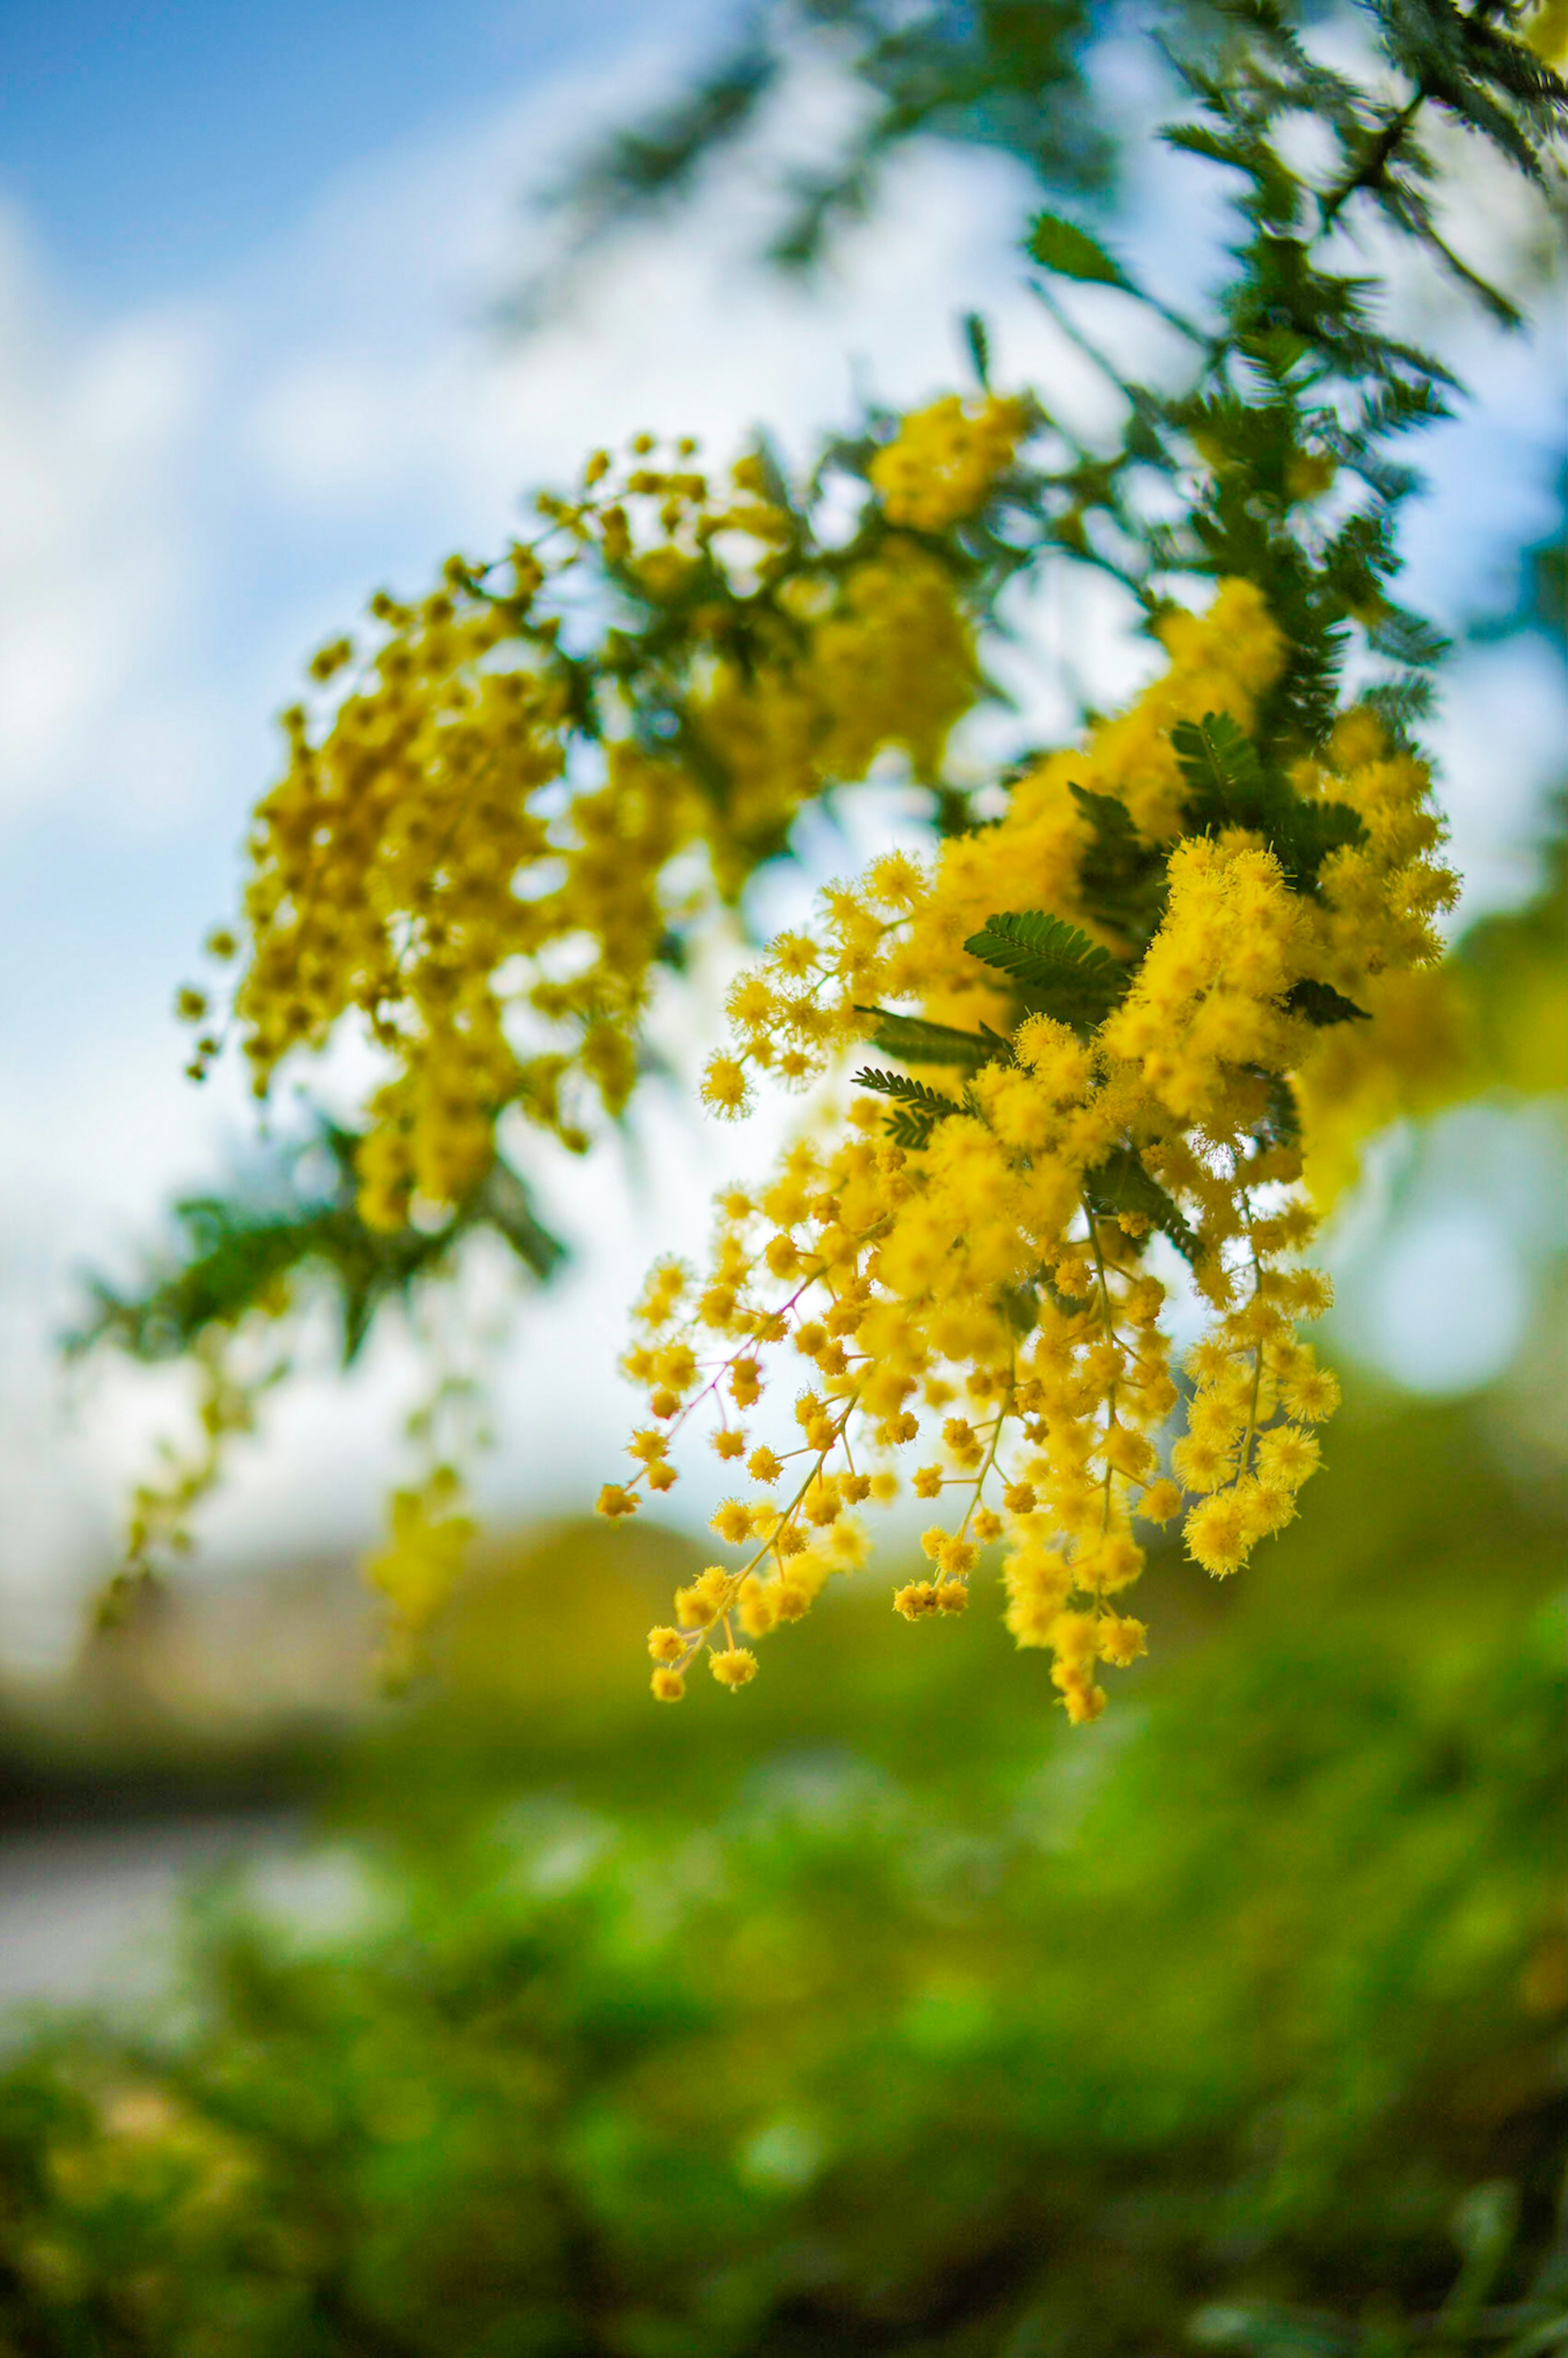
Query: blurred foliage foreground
x=892, y=2019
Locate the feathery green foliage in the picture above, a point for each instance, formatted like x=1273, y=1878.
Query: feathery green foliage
x=920, y=1108
x=914, y=1041
x=238, y=1250
x=1053, y=965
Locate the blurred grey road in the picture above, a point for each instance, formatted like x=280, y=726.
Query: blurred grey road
x=87, y=1912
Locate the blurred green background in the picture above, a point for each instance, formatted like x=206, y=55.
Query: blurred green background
x=874, y=2010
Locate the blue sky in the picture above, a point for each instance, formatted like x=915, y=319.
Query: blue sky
x=249, y=261
x=159, y=143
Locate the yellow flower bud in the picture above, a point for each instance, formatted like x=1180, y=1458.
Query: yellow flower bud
x=736, y=1667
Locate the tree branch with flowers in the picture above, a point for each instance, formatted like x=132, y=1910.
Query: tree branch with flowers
x=1124, y=1022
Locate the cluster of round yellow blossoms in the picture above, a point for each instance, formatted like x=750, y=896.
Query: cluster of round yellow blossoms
x=503, y=816
x=1125, y=1019
x=970, y=1284
x=943, y=462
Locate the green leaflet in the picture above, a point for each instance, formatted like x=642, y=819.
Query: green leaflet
x=1228, y=786
x=1321, y=1004
x=1060, y=247
x=1052, y=962
x=914, y=1041
x=1121, y=879
x=920, y=1108
x=1409, y=638
x=1021, y=1304
x=1121, y=1183
x=1219, y=759
x=1315, y=830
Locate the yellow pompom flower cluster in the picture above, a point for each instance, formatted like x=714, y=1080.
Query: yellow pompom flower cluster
x=884, y=659
x=943, y=462
x=482, y=846
x=969, y=1288
x=1175, y=974
x=1380, y=900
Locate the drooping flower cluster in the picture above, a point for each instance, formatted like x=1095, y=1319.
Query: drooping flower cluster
x=884, y=657
x=1119, y=1012
x=485, y=845
x=1164, y=997
x=1109, y=997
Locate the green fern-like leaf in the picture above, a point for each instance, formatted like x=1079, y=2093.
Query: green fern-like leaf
x=234, y=1252
x=914, y=1041
x=1218, y=757
x=1051, y=963
x=920, y=1108
x=1281, y=1121
x=1310, y=832
x=1120, y=877
x=1228, y=786
x=908, y=1092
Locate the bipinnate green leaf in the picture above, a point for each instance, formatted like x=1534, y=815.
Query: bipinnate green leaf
x=1281, y=1121
x=920, y=1108
x=1314, y=830
x=1121, y=876
x=1228, y=785
x=1058, y=967
x=1218, y=757
x=914, y=1041
x=908, y=1092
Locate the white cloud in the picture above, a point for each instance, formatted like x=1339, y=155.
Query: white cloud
x=97, y=559
x=322, y=433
